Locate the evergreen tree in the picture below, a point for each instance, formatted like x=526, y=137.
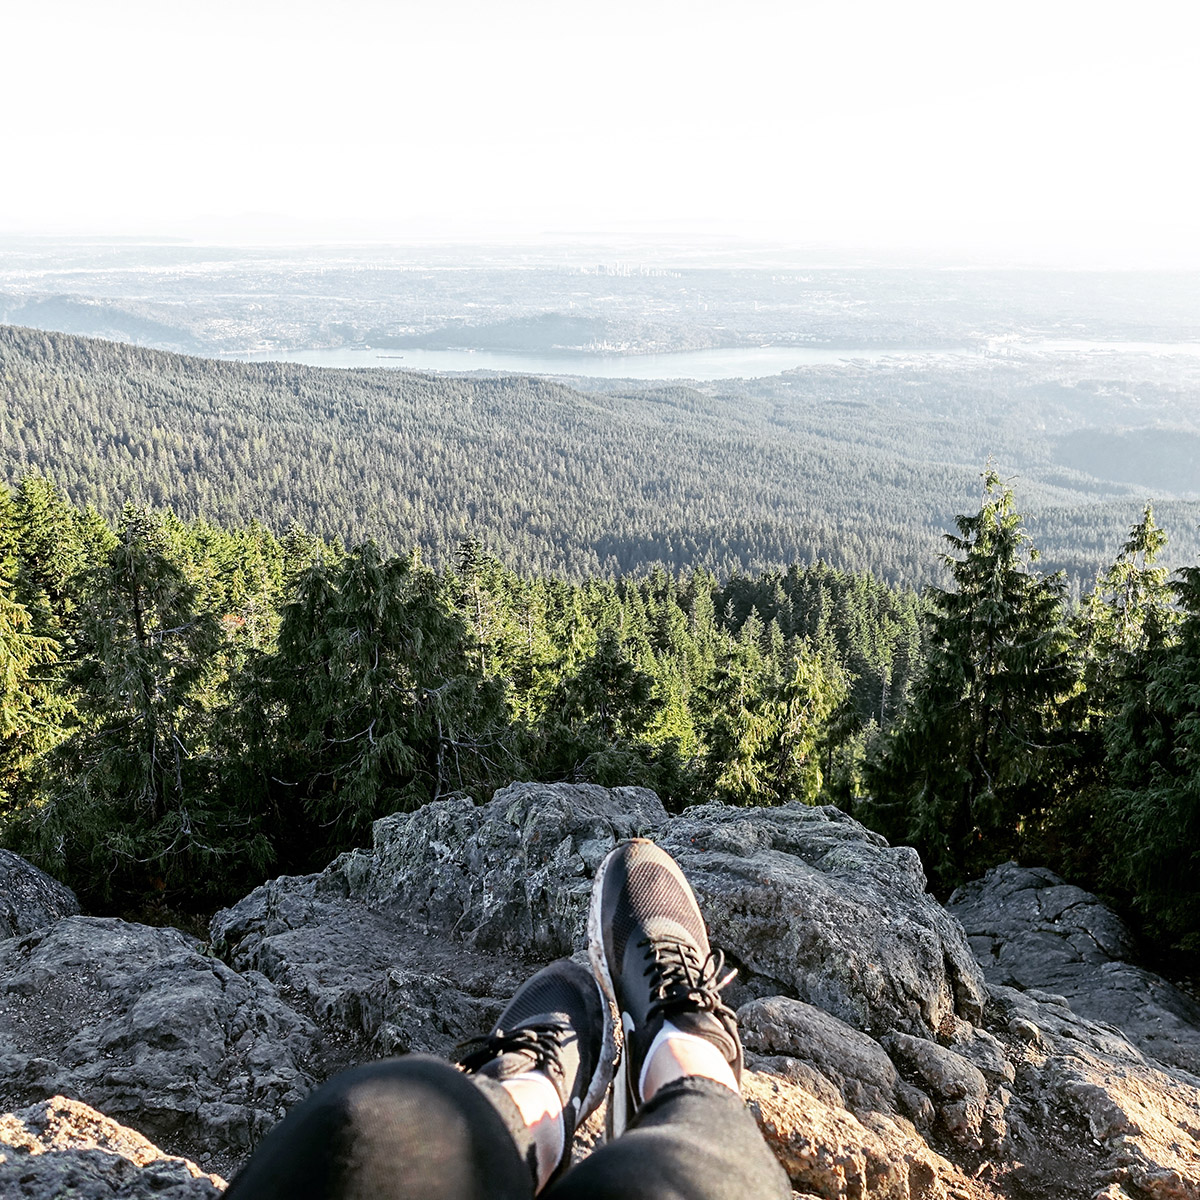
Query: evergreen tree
x=31, y=714
x=128, y=811
x=738, y=733
x=1150, y=820
x=978, y=761
x=1122, y=628
x=769, y=721
x=370, y=704
x=1127, y=617
x=9, y=537
x=800, y=709
x=54, y=552
x=596, y=716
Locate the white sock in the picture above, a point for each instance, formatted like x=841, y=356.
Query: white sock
x=667, y=1031
x=540, y=1105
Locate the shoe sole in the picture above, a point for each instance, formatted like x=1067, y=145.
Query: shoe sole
x=608, y=1057
x=617, y=1117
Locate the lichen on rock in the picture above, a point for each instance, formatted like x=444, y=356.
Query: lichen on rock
x=60, y=1147
x=880, y=1061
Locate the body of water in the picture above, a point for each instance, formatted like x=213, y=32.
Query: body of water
x=746, y=362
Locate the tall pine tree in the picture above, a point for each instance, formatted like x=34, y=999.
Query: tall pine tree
x=978, y=760
x=1150, y=818
x=370, y=704
x=128, y=809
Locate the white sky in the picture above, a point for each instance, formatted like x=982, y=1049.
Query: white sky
x=1012, y=126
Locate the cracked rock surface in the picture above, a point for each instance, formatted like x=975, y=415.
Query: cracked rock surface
x=138, y=1023
x=804, y=900
x=29, y=898
x=882, y=1061
x=60, y=1148
x=1029, y=929
x=882, y=1064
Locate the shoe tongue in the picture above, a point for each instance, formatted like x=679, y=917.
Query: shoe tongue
x=568, y=1059
x=520, y=1018
x=664, y=929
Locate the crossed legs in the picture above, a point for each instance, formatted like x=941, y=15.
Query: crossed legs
x=501, y=1127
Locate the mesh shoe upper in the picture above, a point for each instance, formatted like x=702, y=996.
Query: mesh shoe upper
x=650, y=950
x=557, y=1024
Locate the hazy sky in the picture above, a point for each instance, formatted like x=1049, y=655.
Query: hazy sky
x=1057, y=124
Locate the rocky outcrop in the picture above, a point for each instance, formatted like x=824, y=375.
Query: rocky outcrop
x=880, y=1062
x=812, y=905
x=375, y=983
x=29, y=898
x=804, y=900
x=833, y=1106
x=1029, y=929
x=1085, y=1095
x=1038, y=1102
x=62, y=1148
x=512, y=875
x=142, y=1025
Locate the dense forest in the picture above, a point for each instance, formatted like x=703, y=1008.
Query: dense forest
x=175, y=690
x=245, y=609
x=858, y=467
x=186, y=708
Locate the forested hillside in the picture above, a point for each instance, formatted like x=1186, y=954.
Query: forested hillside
x=187, y=708
x=191, y=697
x=852, y=468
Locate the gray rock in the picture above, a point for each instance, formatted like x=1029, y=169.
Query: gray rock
x=374, y=983
x=29, y=898
x=957, y=1086
x=855, y=1067
x=1080, y=1113
x=1131, y=1124
x=836, y=1155
x=811, y=904
x=418, y=944
x=513, y=874
x=139, y=1023
x=1029, y=930
x=805, y=901
x=987, y=1052
x=62, y=1148
x=980, y=1092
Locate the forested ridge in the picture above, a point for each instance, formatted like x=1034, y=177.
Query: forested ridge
x=177, y=692
x=595, y=586
x=551, y=478
x=554, y=478
x=187, y=708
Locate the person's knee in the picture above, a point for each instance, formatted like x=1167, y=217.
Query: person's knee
x=413, y=1101
x=411, y=1128
x=694, y=1140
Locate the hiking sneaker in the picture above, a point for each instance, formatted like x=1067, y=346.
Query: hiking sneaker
x=649, y=948
x=557, y=1024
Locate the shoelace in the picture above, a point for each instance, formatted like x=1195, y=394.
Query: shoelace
x=680, y=981
x=542, y=1041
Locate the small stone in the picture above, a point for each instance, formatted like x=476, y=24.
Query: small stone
x=1027, y=1031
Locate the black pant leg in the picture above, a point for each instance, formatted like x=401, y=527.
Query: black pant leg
x=695, y=1140
x=402, y=1129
